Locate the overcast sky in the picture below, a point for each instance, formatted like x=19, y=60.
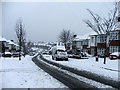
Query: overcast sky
x=45, y=20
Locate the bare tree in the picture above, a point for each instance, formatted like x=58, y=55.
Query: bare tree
x=65, y=36
x=20, y=33
x=29, y=46
x=104, y=25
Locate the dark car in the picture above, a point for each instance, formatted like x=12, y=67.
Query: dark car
x=76, y=55
x=70, y=55
x=15, y=54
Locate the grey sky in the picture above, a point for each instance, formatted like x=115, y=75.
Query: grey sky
x=44, y=21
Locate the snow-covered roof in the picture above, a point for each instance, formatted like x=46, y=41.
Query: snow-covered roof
x=10, y=42
x=93, y=33
x=16, y=44
x=83, y=37
x=3, y=39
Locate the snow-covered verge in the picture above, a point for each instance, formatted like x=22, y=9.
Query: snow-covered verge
x=109, y=70
x=25, y=74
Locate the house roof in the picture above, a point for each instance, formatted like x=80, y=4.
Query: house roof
x=3, y=39
x=83, y=37
x=10, y=42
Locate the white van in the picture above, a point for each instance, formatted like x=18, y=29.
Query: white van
x=59, y=52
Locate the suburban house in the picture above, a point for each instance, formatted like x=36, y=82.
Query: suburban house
x=8, y=46
x=3, y=43
x=82, y=43
x=94, y=44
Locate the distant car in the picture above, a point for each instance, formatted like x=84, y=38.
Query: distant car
x=15, y=54
x=76, y=55
x=70, y=55
x=22, y=53
x=87, y=55
x=31, y=54
x=45, y=53
x=101, y=55
x=7, y=54
x=115, y=55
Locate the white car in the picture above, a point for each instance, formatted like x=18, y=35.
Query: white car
x=60, y=54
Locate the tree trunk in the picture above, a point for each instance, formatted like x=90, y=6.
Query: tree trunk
x=106, y=46
x=19, y=56
x=105, y=55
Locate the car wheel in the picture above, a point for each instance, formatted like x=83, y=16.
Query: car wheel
x=66, y=59
x=56, y=59
x=52, y=58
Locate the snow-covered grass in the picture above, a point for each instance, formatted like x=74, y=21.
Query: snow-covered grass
x=110, y=69
x=25, y=74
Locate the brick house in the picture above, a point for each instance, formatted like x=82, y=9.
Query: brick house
x=114, y=43
x=76, y=44
x=8, y=45
x=81, y=43
x=99, y=46
x=3, y=43
x=95, y=44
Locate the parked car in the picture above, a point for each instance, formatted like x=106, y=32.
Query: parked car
x=22, y=53
x=31, y=54
x=7, y=54
x=45, y=52
x=115, y=55
x=70, y=55
x=101, y=55
x=87, y=55
x=15, y=54
x=77, y=55
x=59, y=52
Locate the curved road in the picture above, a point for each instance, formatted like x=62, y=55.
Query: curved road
x=68, y=80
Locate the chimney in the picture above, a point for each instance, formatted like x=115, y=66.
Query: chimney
x=12, y=40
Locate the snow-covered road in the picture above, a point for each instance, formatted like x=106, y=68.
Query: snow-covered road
x=25, y=74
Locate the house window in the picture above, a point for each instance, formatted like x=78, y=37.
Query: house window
x=98, y=39
x=113, y=35
x=92, y=39
x=101, y=39
x=114, y=49
x=100, y=51
x=85, y=42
